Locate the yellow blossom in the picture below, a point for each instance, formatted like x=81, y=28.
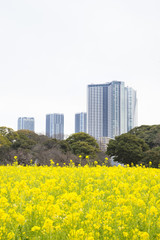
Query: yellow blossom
x=48, y=225
x=35, y=228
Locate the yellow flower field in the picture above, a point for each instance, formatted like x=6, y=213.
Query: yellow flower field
x=83, y=203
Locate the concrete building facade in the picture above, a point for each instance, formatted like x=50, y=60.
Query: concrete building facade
x=81, y=122
x=111, y=109
x=55, y=126
x=26, y=123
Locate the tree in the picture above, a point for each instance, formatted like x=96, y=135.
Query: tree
x=153, y=156
x=127, y=149
x=51, y=143
x=4, y=131
x=83, y=148
x=25, y=139
x=4, y=141
x=83, y=144
x=8, y=133
x=150, y=134
x=64, y=146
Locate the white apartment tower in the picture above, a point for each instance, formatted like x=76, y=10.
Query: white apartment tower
x=26, y=123
x=81, y=122
x=55, y=126
x=112, y=109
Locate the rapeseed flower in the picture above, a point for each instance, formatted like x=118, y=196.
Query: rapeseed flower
x=79, y=203
x=35, y=229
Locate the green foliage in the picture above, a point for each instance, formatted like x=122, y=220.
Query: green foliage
x=59, y=144
x=4, y=141
x=26, y=134
x=81, y=136
x=24, y=139
x=83, y=148
x=152, y=155
x=50, y=143
x=150, y=134
x=83, y=144
x=27, y=145
x=127, y=149
x=8, y=133
x=64, y=146
x=4, y=131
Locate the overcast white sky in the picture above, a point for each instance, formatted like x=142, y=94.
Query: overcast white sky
x=51, y=50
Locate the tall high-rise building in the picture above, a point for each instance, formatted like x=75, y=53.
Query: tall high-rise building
x=81, y=122
x=112, y=109
x=55, y=125
x=132, y=109
x=26, y=123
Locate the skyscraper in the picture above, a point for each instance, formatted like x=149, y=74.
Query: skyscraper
x=111, y=109
x=131, y=109
x=55, y=126
x=26, y=123
x=81, y=122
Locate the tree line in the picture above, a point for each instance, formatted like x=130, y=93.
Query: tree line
x=30, y=147
x=141, y=145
